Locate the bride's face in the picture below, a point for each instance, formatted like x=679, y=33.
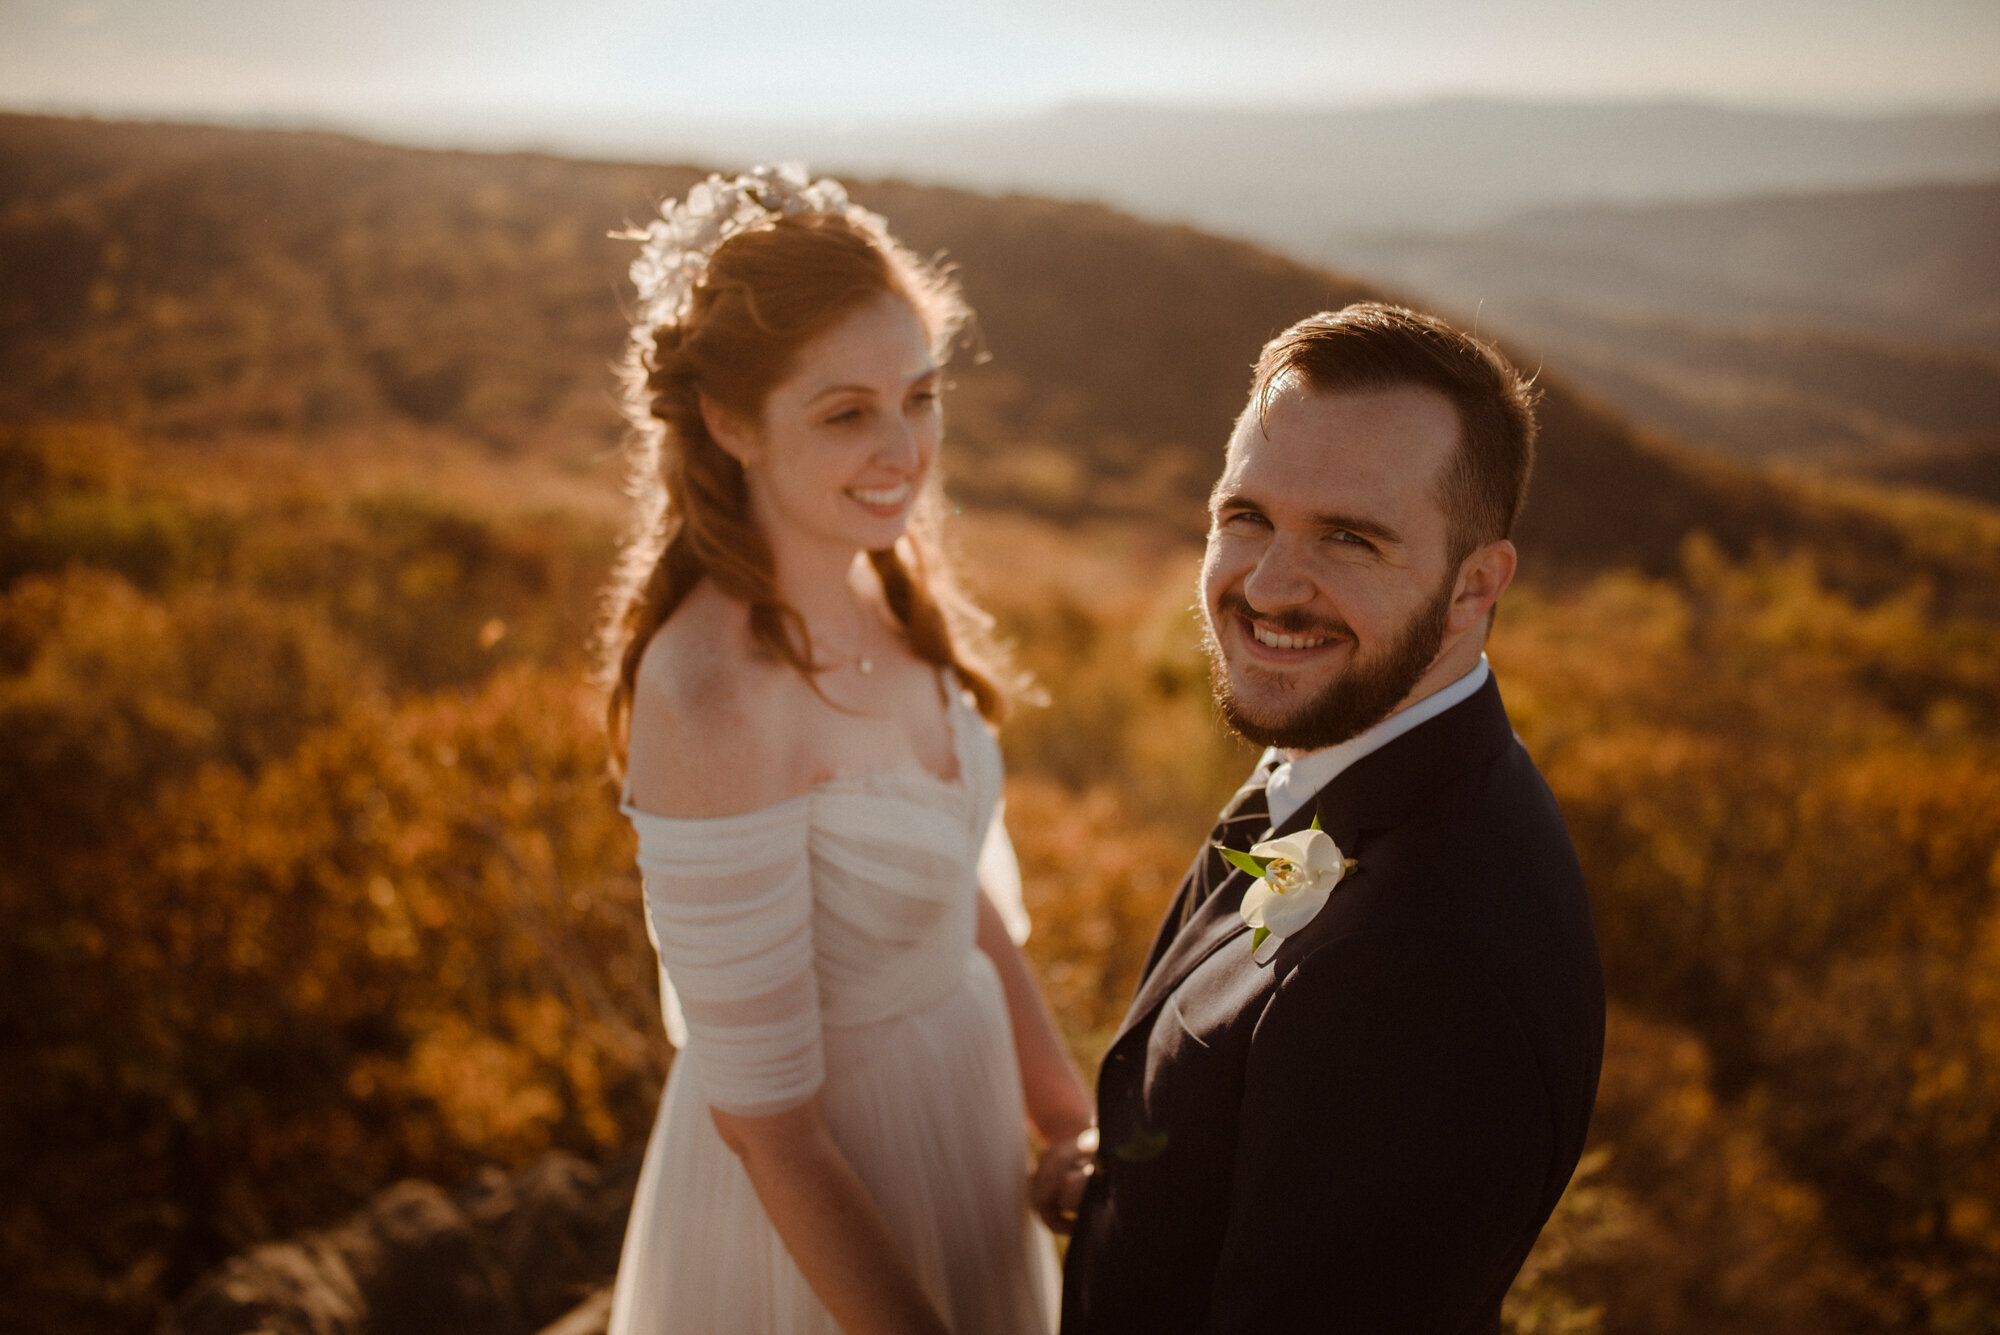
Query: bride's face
x=846, y=440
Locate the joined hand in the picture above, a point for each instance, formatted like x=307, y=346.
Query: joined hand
x=1061, y=1174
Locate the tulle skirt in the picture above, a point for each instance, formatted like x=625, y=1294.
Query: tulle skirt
x=928, y=1109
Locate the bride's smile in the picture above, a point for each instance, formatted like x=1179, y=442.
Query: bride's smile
x=846, y=440
x=884, y=499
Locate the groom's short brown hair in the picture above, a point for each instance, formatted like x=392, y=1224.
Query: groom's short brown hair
x=1372, y=345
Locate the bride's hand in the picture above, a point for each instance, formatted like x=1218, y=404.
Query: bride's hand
x=1060, y=1177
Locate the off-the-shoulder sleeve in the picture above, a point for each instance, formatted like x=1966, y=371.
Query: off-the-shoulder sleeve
x=729, y=906
x=1000, y=876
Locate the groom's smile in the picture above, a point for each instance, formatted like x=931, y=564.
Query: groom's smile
x=1283, y=633
x=1283, y=640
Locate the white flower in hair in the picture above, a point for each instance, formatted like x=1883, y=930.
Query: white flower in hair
x=678, y=243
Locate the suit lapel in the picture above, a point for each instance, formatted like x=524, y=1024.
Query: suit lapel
x=1373, y=793
x=1217, y=922
x=1165, y=935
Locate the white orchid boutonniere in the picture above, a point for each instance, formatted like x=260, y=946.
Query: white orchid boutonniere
x=1295, y=877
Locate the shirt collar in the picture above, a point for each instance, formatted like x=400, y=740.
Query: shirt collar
x=1292, y=784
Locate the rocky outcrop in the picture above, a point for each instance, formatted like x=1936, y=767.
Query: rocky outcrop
x=507, y=1255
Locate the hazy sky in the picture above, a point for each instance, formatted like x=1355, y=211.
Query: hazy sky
x=862, y=58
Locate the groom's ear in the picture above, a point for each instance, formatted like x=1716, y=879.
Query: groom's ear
x=1482, y=577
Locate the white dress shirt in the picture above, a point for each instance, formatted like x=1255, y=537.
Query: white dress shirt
x=1293, y=782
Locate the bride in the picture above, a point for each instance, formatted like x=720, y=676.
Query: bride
x=806, y=719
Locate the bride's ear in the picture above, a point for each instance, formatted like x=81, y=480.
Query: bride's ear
x=737, y=437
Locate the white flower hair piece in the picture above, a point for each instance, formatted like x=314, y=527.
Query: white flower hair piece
x=678, y=244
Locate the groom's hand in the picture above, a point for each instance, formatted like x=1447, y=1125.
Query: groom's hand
x=1060, y=1177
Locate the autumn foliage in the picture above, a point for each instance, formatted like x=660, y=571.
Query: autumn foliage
x=311, y=877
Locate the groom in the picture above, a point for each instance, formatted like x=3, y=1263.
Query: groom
x=1360, y=1120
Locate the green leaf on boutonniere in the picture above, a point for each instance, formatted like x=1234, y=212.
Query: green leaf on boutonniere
x=1255, y=866
x=1316, y=824
x=1257, y=938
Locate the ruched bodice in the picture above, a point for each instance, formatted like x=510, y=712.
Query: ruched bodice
x=827, y=944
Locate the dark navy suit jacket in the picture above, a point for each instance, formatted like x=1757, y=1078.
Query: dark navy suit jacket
x=1367, y=1133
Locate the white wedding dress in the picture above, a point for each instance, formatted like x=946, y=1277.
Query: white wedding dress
x=827, y=943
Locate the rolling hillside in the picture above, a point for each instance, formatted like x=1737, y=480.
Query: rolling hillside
x=1912, y=261
x=1843, y=330
x=192, y=285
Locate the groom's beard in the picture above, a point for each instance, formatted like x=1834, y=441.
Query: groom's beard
x=1356, y=700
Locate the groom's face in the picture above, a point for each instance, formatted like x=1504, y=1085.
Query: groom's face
x=1326, y=587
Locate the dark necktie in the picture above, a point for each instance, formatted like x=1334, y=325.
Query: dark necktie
x=1242, y=824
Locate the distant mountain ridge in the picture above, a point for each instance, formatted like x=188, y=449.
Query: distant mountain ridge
x=195, y=283
x=1842, y=329
x=1285, y=177
x=1916, y=262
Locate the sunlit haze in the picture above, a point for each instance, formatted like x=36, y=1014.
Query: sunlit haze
x=504, y=67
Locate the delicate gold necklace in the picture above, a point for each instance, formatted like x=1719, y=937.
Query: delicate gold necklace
x=862, y=662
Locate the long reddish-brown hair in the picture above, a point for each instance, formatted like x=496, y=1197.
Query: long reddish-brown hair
x=764, y=294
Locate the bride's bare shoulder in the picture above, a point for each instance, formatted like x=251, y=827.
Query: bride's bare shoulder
x=711, y=717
